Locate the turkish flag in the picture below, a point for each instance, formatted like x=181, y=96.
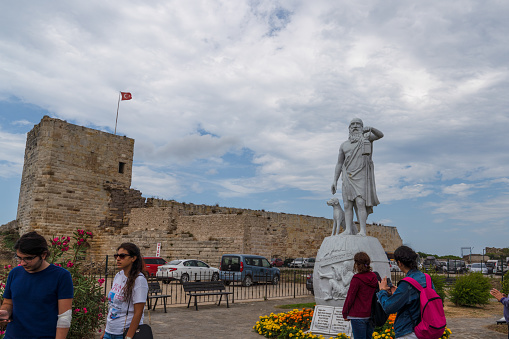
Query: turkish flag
x=126, y=96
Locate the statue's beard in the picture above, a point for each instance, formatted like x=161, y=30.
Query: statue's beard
x=355, y=136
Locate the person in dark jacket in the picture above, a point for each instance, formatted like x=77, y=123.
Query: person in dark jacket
x=404, y=299
x=357, y=306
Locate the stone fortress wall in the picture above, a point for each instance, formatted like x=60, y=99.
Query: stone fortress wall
x=77, y=177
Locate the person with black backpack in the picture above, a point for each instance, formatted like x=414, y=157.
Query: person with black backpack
x=419, y=309
x=357, y=306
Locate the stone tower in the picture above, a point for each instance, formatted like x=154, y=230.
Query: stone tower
x=66, y=170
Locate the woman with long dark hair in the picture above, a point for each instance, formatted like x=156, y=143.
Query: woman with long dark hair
x=357, y=306
x=128, y=293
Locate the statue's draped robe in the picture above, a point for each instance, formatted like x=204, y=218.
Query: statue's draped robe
x=359, y=177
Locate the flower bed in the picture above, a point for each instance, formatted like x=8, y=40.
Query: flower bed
x=295, y=323
x=292, y=324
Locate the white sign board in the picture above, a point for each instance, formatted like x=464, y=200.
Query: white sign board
x=329, y=320
x=158, y=250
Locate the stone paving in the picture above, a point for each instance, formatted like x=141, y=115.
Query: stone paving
x=236, y=322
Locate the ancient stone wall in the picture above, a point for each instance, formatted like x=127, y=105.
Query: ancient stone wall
x=185, y=231
x=76, y=177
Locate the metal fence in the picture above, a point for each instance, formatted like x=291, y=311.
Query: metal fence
x=292, y=283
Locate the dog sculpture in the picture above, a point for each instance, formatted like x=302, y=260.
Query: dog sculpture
x=339, y=218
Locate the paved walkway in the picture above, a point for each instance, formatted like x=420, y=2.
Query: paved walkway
x=236, y=322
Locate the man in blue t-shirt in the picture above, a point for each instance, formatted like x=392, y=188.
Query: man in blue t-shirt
x=38, y=295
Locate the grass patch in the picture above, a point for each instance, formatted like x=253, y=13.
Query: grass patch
x=292, y=306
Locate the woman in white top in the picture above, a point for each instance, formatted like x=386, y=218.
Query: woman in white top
x=128, y=294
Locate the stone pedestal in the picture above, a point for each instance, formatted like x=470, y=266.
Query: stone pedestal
x=334, y=266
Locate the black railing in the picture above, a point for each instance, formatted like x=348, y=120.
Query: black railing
x=289, y=282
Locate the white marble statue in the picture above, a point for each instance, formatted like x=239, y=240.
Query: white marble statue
x=354, y=161
x=333, y=269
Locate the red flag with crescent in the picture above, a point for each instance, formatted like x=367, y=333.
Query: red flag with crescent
x=126, y=96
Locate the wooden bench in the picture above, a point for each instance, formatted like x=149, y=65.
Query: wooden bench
x=204, y=288
x=155, y=292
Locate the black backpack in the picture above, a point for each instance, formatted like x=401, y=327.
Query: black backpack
x=378, y=316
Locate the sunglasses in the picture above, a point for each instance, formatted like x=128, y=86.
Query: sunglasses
x=121, y=255
x=25, y=259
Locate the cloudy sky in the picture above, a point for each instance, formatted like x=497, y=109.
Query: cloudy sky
x=245, y=103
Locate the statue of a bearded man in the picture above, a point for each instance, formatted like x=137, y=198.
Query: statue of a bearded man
x=355, y=162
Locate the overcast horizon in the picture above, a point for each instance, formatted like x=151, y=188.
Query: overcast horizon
x=245, y=103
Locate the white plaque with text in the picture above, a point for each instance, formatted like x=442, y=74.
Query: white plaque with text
x=329, y=320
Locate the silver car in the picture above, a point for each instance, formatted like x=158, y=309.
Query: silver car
x=185, y=270
x=478, y=267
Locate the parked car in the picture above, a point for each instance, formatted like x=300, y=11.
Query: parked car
x=502, y=269
x=248, y=269
x=394, y=267
x=431, y=263
x=186, y=270
x=309, y=283
x=152, y=263
x=491, y=266
x=287, y=262
x=443, y=266
x=298, y=262
x=308, y=262
x=479, y=267
x=278, y=262
x=456, y=266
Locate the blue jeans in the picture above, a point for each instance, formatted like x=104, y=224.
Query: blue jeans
x=362, y=328
x=113, y=336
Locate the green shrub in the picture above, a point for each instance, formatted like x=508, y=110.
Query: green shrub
x=470, y=290
x=505, y=284
x=439, y=283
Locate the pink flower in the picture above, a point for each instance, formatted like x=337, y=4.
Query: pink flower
x=76, y=310
x=58, y=265
x=70, y=264
x=82, y=240
x=55, y=239
x=85, y=309
x=59, y=243
x=100, y=331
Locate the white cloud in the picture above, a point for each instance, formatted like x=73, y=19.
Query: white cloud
x=460, y=190
x=280, y=80
x=12, y=149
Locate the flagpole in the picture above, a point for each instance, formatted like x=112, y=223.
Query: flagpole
x=118, y=105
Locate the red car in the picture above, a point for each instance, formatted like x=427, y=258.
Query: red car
x=152, y=263
x=277, y=262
